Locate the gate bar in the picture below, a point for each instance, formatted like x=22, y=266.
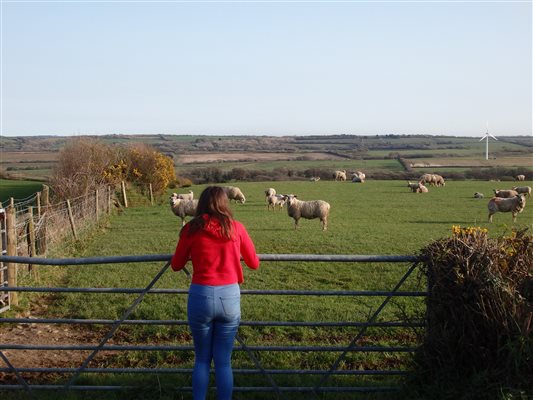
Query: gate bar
x=167, y=257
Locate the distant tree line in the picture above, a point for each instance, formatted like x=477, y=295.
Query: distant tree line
x=217, y=175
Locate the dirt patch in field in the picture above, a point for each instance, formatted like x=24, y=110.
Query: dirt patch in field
x=251, y=156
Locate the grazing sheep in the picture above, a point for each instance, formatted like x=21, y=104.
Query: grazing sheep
x=314, y=178
x=182, y=207
x=307, y=209
x=340, y=175
x=234, y=193
x=505, y=193
x=523, y=190
x=426, y=179
x=520, y=177
x=478, y=195
x=438, y=180
x=185, y=196
x=358, y=176
x=276, y=200
x=514, y=205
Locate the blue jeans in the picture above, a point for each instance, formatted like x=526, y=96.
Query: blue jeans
x=214, y=313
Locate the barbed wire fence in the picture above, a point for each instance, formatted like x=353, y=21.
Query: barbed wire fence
x=31, y=226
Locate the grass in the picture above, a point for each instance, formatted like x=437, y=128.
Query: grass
x=378, y=217
x=17, y=189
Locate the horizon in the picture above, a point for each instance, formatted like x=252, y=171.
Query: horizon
x=266, y=68
x=478, y=137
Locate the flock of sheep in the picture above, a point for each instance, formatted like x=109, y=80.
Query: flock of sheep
x=184, y=205
x=511, y=200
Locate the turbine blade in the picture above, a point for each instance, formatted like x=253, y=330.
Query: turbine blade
x=492, y=136
x=483, y=138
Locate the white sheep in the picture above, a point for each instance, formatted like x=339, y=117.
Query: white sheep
x=426, y=179
x=523, y=190
x=275, y=200
x=314, y=178
x=422, y=189
x=520, y=177
x=358, y=176
x=270, y=192
x=234, y=193
x=438, y=180
x=340, y=175
x=478, y=195
x=307, y=209
x=514, y=205
x=185, y=196
x=182, y=207
x=505, y=193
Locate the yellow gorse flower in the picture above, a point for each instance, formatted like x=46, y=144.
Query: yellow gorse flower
x=473, y=231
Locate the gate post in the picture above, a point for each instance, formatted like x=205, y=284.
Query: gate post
x=11, y=234
x=4, y=296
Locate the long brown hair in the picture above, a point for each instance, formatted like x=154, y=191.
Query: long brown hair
x=214, y=202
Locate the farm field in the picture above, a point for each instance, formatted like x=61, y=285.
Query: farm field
x=19, y=190
x=35, y=157
x=377, y=217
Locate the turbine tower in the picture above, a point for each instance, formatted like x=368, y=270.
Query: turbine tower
x=486, y=137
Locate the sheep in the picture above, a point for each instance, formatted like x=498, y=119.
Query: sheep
x=523, y=190
x=183, y=207
x=413, y=186
x=234, y=193
x=505, y=193
x=307, y=209
x=270, y=192
x=520, y=178
x=478, y=195
x=314, y=178
x=185, y=196
x=422, y=189
x=514, y=205
x=276, y=200
x=340, y=175
x=426, y=178
x=438, y=180
x=358, y=176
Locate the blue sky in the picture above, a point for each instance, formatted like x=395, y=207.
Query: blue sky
x=266, y=68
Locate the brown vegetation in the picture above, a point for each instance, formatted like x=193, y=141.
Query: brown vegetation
x=479, y=309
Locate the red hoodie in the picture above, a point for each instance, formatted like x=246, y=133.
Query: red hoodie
x=215, y=259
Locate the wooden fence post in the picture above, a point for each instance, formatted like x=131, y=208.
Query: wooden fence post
x=42, y=236
x=38, y=205
x=109, y=204
x=71, y=219
x=11, y=233
x=124, y=197
x=46, y=197
x=151, y=195
x=96, y=208
x=31, y=243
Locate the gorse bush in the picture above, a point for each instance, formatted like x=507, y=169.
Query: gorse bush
x=85, y=164
x=479, y=309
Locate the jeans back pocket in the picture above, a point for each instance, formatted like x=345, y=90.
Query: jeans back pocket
x=231, y=306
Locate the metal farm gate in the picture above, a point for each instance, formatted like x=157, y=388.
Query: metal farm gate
x=321, y=381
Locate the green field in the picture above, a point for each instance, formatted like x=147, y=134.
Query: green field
x=17, y=189
x=378, y=217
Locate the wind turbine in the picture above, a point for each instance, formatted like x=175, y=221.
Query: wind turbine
x=486, y=137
